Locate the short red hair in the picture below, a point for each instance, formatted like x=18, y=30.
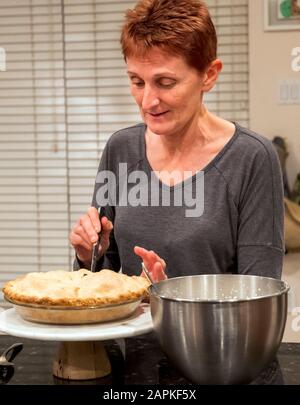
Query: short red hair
x=179, y=27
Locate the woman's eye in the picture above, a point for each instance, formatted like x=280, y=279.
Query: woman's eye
x=167, y=83
x=137, y=83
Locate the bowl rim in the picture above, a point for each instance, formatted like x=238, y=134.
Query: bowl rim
x=154, y=292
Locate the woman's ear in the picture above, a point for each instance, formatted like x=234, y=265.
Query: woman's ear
x=211, y=75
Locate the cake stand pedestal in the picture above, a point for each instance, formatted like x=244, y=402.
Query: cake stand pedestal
x=81, y=353
x=81, y=361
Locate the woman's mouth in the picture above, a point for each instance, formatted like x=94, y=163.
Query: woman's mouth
x=157, y=115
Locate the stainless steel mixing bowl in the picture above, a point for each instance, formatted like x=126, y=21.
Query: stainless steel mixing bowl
x=220, y=329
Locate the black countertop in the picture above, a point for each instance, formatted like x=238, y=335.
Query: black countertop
x=145, y=363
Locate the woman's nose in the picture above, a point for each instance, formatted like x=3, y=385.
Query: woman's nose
x=150, y=99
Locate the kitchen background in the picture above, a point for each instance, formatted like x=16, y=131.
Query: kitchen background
x=64, y=91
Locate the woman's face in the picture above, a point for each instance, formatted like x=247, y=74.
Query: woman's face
x=167, y=91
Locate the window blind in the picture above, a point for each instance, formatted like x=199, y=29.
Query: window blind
x=33, y=148
x=64, y=92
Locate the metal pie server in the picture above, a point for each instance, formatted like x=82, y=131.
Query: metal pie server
x=96, y=253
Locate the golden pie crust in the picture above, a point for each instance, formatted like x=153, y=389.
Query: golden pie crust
x=80, y=288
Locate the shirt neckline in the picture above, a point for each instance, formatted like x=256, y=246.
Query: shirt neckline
x=196, y=176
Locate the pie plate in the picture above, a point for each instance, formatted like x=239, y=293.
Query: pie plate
x=66, y=315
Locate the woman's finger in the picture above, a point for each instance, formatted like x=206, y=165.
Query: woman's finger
x=93, y=214
x=79, y=231
x=163, y=263
x=86, y=223
x=107, y=227
x=149, y=257
x=82, y=233
x=78, y=241
x=158, y=272
x=141, y=252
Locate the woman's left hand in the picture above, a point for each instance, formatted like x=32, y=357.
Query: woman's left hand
x=154, y=264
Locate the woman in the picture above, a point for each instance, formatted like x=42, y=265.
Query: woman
x=170, y=51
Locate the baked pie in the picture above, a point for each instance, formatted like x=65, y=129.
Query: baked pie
x=80, y=288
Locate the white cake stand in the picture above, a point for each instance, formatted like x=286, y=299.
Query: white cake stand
x=81, y=354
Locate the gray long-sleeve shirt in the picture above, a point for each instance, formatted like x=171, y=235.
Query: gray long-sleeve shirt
x=239, y=231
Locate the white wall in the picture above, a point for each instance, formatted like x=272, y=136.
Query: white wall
x=270, y=62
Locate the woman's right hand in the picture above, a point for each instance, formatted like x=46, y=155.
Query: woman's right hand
x=85, y=234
